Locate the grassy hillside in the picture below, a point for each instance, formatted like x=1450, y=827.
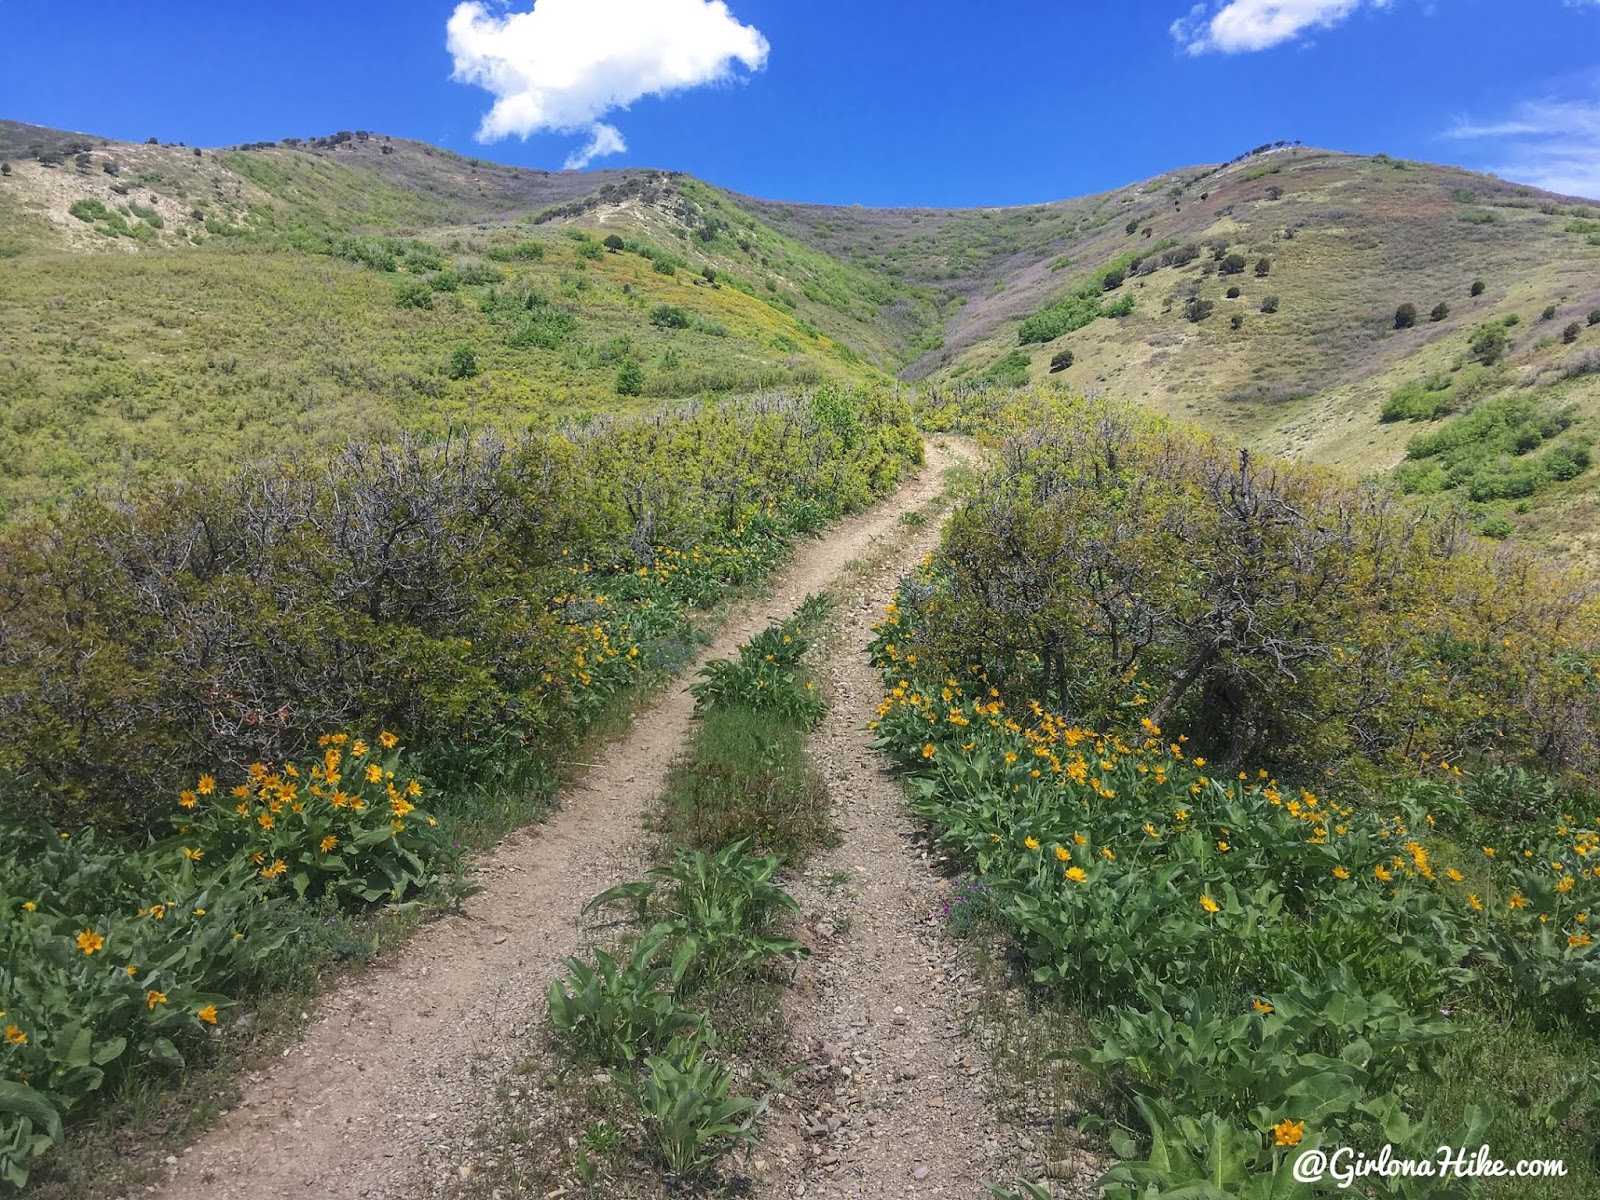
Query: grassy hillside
x=1345, y=241
x=320, y=300
x=1258, y=298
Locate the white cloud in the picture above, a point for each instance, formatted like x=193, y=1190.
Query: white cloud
x=605, y=139
x=1551, y=143
x=1242, y=25
x=565, y=64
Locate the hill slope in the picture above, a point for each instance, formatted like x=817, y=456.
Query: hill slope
x=312, y=344
x=194, y=308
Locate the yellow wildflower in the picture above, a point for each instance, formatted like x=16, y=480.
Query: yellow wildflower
x=1288, y=1133
x=89, y=941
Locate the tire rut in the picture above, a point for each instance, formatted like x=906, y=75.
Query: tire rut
x=891, y=1099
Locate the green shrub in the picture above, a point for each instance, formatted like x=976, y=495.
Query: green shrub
x=463, y=363
x=1489, y=343
x=1233, y=264
x=1269, y=304
x=413, y=293
x=1060, y=361
x=1263, y=268
x=630, y=378
x=1571, y=333
x=89, y=210
x=1196, y=309
x=441, y=556
x=1594, y=316
x=1405, y=316
x=1549, y=313
x=669, y=316
x=1166, y=554
x=1234, y=292
x=1478, y=287
x=1011, y=370
x=1085, y=304
x=542, y=328
x=1440, y=311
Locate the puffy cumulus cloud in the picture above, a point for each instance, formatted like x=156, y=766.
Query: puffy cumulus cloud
x=603, y=140
x=1244, y=25
x=565, y=64
x=1552, y=143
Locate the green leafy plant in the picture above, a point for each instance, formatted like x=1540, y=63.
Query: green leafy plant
x=767, y=676
x=690, y=1112
x=614, y=1012
x=713, y=911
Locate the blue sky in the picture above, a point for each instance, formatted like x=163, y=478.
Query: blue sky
x=840, y=101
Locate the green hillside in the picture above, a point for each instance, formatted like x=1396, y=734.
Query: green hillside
x=1258, y=298
x=305, y=300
